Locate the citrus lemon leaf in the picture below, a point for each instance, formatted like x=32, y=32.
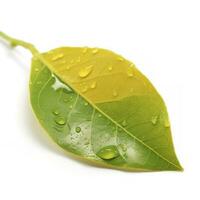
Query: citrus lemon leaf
x=98, y=106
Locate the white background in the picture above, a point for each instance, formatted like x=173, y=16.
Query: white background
x=161, y=37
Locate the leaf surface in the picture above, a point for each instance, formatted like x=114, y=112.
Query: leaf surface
x=98, y=106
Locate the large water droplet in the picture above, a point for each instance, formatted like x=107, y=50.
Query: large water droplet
x=85, y=71
x=154, y=119
x=60, y=121
x=78, y=129
x=57, y=57
x=108, y=153
x=93, y=85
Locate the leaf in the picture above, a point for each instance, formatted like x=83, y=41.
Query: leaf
x=98, y=106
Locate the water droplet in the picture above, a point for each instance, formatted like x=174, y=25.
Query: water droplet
x=115, y=93
x=85, y=71
x=78, y=129
x=99, y=115
x=84, y=88
x=154, y=119
x=72, y=61
x=65, y=100
x=120, y=58
x=60, y=121
x=110, y=68
x=95, y=51
x=78, y=59
x=68, y=67
x=57, y=57
x=36, y=69
x=93, y=85
x=39, y=82
x=132, y=65
x=108, y=153
x=167, y=123
x=123, y=147
x=130, y=72
x=71, y=106
x=85, y=50
x=56, y=112
x=124, y=123
x=86, y=103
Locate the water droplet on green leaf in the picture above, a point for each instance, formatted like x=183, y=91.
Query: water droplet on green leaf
x=56, y=112
x=60, y=121
x=78, y=129
x=154, y=119
x=124, y=123
x=108, y=153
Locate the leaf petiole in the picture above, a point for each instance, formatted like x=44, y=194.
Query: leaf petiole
x=15, y=42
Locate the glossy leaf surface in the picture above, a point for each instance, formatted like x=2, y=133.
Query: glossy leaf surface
x=98, y=106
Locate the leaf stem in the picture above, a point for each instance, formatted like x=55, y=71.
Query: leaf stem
x=15, y=42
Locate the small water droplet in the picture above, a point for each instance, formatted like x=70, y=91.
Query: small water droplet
x=154, y=119
x=84, y=88
x=85, y=50
x=78, y=129
x=124, y=123
x=70, y=106
x=93, y=85
x=56, y=112
x=108, y=153
x=132, y=65
x=57, y=57
x=99, y=115
x=39, y=82
x=78, y=59
x=115, y=93
x=95, y=51
x=65, y=100
x=130, y=72
x=86, y=103
x=85, y=71
x=167, y=123
x=36, y=69
x=110, y=68
x=123, y=147
x=60, y=121
x=68, y=67
x=120, y=59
